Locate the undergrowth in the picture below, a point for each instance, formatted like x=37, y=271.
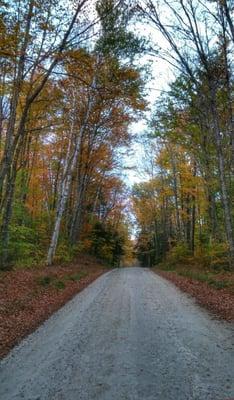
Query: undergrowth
x=51, y=281
x=209, y=268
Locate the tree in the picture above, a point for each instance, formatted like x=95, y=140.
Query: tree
x=192, y=54
x=38, y=39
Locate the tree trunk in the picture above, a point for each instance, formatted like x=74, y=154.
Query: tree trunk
x=78, y=211
x=12, y=139
x=70, y=165
x=6, y=222
x=63, y=195
x=229, y=18
x=188, y=222
x=8, y=148
x=222, y=179
x=175, y=190
x=60, y=211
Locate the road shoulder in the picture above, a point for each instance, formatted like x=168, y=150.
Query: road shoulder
x=30, y=296
x=218, y=301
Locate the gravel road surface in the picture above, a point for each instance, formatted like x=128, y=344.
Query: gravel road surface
x=131, y=335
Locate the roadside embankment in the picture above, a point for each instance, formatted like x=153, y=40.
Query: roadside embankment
x=29, y=296
x=215, y=291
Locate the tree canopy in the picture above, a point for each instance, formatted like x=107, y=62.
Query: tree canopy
x=72, y=82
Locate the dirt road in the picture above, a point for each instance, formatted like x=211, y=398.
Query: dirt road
x=131, y=335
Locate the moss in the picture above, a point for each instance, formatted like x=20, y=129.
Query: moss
x=45, y=280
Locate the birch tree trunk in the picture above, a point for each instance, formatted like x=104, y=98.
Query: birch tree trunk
x=14, y=135
x=64, y=192
x=71, y=161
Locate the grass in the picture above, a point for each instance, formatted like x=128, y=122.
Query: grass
x=216, y=279
x=206, y=277
x=45, y=280
x=60, y=284
x=166, y=267
x=77, y=277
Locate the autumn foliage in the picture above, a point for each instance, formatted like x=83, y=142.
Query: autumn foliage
x=66, y=103
x=184, y=208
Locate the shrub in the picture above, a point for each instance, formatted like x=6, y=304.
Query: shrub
x=45, y=280
x=107, y=244
x=24, y=247
x=178, y=254
x=58, y=284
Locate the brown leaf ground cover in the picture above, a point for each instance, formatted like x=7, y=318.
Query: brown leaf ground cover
x=29, y=296
x=216, y=293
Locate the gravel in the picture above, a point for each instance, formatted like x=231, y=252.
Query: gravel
x=130, y=335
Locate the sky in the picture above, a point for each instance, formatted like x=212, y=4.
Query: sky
x=162, y=75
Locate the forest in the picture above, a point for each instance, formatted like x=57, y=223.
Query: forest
x=116, y=199
x=185, y=207
x=73, y=81
x=69, y=92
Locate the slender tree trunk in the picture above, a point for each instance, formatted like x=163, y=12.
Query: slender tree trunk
x=70, y=165
x=193, y=224
x=60, y=211
x=8, y=206
x=228, y=16
x=5, y=165
x=6, y=222
x=224, y=12
x=78, y=211
x=188, y=222
x=193, y=215
x=222, y=179
x=12, y=139
x=64, y=192
x=175, y=190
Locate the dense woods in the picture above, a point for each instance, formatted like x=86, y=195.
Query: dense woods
x=68, y=94
x=185, y=208
x=70, y=88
